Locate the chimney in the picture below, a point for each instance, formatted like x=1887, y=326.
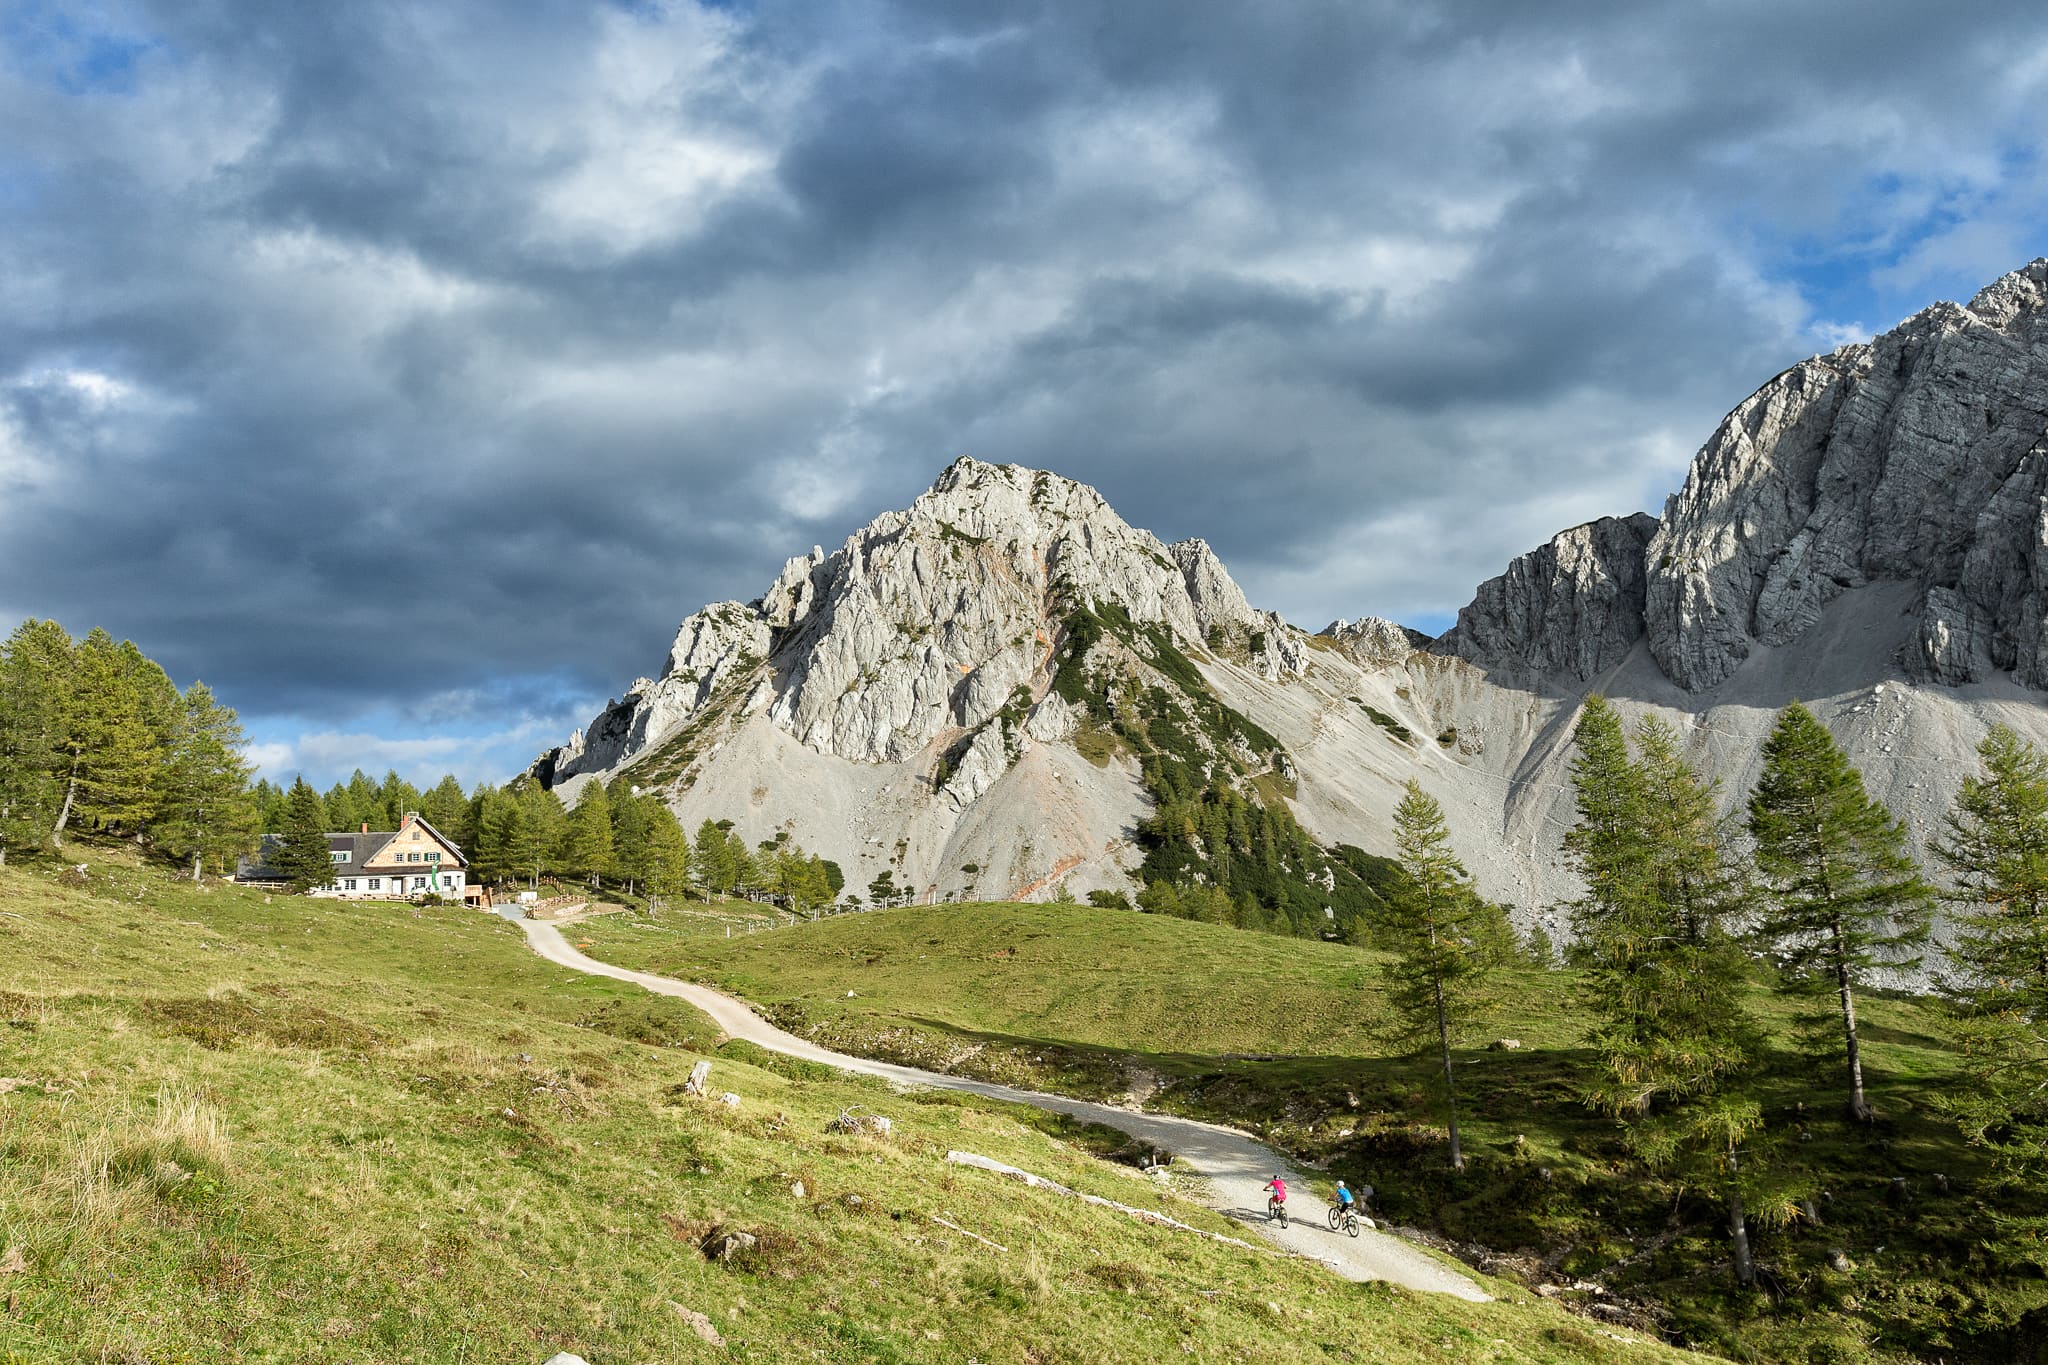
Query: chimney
x=366, y=826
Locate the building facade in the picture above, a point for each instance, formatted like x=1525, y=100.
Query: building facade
x=409, y=863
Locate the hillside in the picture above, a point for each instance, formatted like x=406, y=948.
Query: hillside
x=1287, y=1038
x=988, y=694
x=241, y=1128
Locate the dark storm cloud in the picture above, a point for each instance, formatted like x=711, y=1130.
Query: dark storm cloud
x=414, y=363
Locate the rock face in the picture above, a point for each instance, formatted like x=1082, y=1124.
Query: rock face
x=1919, y=458
x=930, y=620
x=1375, y=641
x=1916, y=458
x=1568, y=610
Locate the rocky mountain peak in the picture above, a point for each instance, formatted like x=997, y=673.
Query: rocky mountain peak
x=932, y=620
x=1375, y=641
x=1919, y=457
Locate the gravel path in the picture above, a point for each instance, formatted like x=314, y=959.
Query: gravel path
x=1235, y=1166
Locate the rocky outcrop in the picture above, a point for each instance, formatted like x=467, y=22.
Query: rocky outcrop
x=931, y=619
x=1374, y=641
x=1917, y=457
x=1566, y=611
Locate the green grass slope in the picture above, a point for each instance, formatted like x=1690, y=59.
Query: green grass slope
x=246, y=1128
x=1293, y=1039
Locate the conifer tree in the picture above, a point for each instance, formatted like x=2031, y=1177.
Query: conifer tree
x=1843, y=897
x=1438, y=962
x=1675, y=1046
x=269, y=805
x=587, y=837
x=495, y=858
x=366, y=803
x=1996, y=844
x=444, y=805
x=538, y=834
x=342, y=814
x=304, y=858
x=632, y=818
x=1607, y=845
x=667, y=854
x=395, y=797
x=712, y=859
x=112, y=743
x=205, y=809
x=35, y=671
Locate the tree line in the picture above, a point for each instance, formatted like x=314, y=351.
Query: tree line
x=522, y=832
x=1810, y=889
x=94, y=736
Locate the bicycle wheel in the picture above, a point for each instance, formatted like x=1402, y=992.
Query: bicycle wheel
x=1351, y=1225
x=1283, y=1215
x=1336, y=1217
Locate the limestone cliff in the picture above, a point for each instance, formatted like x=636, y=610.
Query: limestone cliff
x=1568, y=611
x=1917, y=458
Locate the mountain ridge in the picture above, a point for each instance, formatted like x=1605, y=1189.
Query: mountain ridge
x=964, y=691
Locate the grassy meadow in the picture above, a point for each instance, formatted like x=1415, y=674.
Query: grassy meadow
x=238, y=1127
x=1294, y=1040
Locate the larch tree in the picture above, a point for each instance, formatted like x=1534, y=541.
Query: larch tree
x=342, y=812
x=496, y=817
x=395, y=797
x=667, y=865
x=1995, y=842
x=112, y=744
x=587, y=838
x=632, y=820
x=206, y=810
x=1676, y=1049
x=537, y=839
x=1435, y=921
x=713, y=861
x=35, y=760
x=1842, y=897
x=304, y=858
x=443, y=806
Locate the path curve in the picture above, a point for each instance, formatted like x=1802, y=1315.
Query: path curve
x=1235, y=1166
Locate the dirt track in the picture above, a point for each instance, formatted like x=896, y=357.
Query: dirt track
x=1235, y=1166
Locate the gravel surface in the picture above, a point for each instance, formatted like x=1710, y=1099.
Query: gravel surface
x=1235, y=1166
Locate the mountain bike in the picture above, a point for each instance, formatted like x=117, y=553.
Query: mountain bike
x=1344, y=1218
x=1276, y=1211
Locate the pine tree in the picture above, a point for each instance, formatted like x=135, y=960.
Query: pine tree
x=1844, y=899
x=35, y=671
x=1996, y=844
x=587, y=838
x=667, y=854
x=304, y=858
x=204, y=808
x=1438, y=963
